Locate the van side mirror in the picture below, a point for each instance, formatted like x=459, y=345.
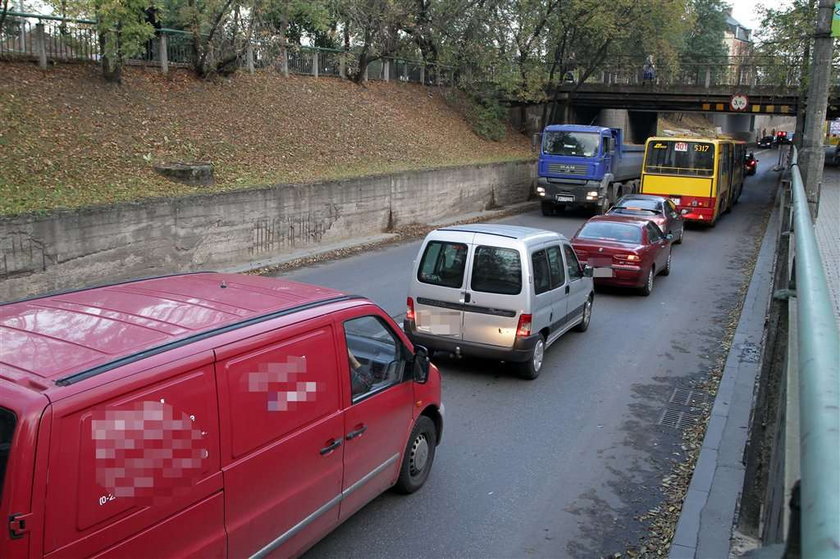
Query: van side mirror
x=588, y=271
x=420, y=365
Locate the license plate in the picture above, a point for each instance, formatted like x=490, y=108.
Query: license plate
x=676, y=201
x=564, y=198
x=602, y=273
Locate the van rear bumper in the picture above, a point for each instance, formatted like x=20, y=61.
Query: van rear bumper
x=521, y=350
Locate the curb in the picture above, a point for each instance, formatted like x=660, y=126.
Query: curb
x=709, y=509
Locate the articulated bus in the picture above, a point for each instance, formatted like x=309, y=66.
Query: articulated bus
x=704, y=177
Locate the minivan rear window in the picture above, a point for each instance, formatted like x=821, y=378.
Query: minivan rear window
x=443, y=264
x=497, y=270
x=7, y=429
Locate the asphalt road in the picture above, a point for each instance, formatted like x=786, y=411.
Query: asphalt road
x=564, y=465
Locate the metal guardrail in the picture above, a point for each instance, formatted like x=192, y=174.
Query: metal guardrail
x=818, y=357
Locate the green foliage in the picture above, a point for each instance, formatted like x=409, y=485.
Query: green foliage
x=488, y=118
x=123, y=26
x=704, y=41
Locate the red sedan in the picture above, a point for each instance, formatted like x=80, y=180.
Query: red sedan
x=625, y=251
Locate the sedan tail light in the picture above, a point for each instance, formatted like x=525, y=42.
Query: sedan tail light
x=523, y=328
x=409, y=311
x=627, y=257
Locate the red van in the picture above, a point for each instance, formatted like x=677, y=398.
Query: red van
x=204, y=415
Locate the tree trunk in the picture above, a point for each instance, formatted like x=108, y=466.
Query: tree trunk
x=111, y=63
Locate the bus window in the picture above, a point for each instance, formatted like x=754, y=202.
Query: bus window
x=673, y=157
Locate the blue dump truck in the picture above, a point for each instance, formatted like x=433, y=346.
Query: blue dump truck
x=585, y=166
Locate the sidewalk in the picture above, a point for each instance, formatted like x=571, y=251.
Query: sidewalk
x=828, y=234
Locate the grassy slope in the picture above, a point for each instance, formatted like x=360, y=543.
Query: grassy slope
x=67, y=139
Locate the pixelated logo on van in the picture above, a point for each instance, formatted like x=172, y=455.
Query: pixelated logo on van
x=150, y=452
x=282, y=383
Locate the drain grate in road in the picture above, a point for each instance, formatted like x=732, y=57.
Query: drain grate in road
x=688, y=397
x=671, y=418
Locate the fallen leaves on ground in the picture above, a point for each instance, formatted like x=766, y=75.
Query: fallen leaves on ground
x=68, y=139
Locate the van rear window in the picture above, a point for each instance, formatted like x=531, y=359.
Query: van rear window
x=443, y=264
x=7, y=429
x=497, y=270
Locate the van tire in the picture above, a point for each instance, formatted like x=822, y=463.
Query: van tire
x=587, y=316
x=420, y=448
x=530, y=369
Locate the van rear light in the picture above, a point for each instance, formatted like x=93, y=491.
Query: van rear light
x=409, y=310
x=523, y=328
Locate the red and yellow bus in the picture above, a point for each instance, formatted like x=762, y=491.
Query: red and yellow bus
x=704, y=177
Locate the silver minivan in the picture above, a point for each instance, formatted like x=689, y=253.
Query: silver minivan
x=497, y=291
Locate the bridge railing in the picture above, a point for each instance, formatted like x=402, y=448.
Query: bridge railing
x=813, y=359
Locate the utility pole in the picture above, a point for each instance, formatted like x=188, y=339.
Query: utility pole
x=812, y=156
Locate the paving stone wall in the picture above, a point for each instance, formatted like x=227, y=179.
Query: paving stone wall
x=69, y=249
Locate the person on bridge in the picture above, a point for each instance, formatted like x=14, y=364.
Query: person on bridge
x=648, y=71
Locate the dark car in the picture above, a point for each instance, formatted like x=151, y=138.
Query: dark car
x=658, y=209
x=624, y=251
x=782, y=137
x=750, y=164
x=765, y=142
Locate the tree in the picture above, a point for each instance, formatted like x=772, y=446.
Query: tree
x=375, y=25
x=123, y=31
x=221, y=31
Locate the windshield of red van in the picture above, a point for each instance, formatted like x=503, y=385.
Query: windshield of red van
x=7, y=429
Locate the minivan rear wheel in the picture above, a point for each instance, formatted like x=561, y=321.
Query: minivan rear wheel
x=530, y=369
x=418, y=456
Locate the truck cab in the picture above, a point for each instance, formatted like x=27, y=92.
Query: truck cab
x=585, y=166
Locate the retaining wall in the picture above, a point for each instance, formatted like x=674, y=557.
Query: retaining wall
x=69, y=249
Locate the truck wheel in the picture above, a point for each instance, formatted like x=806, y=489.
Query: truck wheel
x=603, y=206
x=547, y=208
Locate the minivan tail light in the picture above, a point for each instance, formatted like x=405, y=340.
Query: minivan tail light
x=409, y=311
x=523, y=328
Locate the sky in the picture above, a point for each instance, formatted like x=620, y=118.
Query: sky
x=746, y=11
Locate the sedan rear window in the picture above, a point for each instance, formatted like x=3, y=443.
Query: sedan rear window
x=621, y=232
x=7, y=429
x=443, y=264
x=497, y=270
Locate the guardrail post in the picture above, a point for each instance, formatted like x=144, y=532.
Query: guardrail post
x=341, y=70
x=41, y=45
x=708, y=77
x=423, y=73
x=164, y=55
x=367, y=67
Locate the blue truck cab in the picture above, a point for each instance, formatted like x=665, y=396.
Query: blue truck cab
x=585, y=166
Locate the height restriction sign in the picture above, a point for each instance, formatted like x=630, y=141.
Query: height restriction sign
x=739, y=103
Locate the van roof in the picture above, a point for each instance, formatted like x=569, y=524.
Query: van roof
x=510, y=231
x=57, y=338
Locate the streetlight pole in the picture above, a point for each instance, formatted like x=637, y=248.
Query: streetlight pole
x=812, y=156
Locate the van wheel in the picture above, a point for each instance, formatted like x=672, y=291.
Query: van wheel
x=587, y=316
x=647, y=288
x=530, y=369
x=418, y=457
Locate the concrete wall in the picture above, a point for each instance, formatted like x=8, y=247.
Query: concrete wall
x=69, y=249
